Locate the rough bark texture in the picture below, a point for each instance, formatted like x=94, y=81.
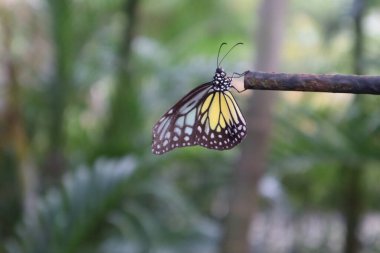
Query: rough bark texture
x=243, y=199
x=314, y=83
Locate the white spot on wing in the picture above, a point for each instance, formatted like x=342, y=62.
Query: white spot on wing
x=188, y=130
x=207, y=128
x=177, y=131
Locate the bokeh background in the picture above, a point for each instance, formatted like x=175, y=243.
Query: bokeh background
x=82, y=82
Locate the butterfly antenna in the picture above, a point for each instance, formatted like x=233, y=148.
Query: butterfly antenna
x=220, y=48
x=240, y=43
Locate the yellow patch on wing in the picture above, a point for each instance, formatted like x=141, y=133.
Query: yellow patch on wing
x=220, y=110
x=236, y=109
x=204, y=117
x=206, y=103
x=214, y=111
x=231, y=105
x=222, y=122
x=225, y=110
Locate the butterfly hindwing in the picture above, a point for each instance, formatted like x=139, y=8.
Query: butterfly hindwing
x=220, y=123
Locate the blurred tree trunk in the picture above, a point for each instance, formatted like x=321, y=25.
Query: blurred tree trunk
x=14, y=137
x=244, y=196
x=61, y=29
x=353, y=175
x=120, y=135
x=352, y=205
x=358, y=10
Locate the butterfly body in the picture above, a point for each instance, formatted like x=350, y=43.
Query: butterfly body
x=220, y=81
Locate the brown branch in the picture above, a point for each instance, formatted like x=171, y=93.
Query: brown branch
x=312, y=82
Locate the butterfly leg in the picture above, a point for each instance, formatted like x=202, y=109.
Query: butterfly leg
x=239, y=91
x=238, y=75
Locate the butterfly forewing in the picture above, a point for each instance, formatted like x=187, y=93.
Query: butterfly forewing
x=176, y=127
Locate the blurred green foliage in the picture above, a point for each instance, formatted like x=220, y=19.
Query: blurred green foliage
x=321, y=145
x=84, y=95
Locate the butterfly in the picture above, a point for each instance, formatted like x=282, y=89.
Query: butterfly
x=207, y=116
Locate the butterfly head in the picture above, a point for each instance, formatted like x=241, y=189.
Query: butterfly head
x=220, y=81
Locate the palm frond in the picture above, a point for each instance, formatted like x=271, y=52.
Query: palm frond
x=72, y=215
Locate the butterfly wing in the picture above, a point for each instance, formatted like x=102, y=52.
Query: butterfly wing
x=203, y=117
x=176, y=126
x=220, y=123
